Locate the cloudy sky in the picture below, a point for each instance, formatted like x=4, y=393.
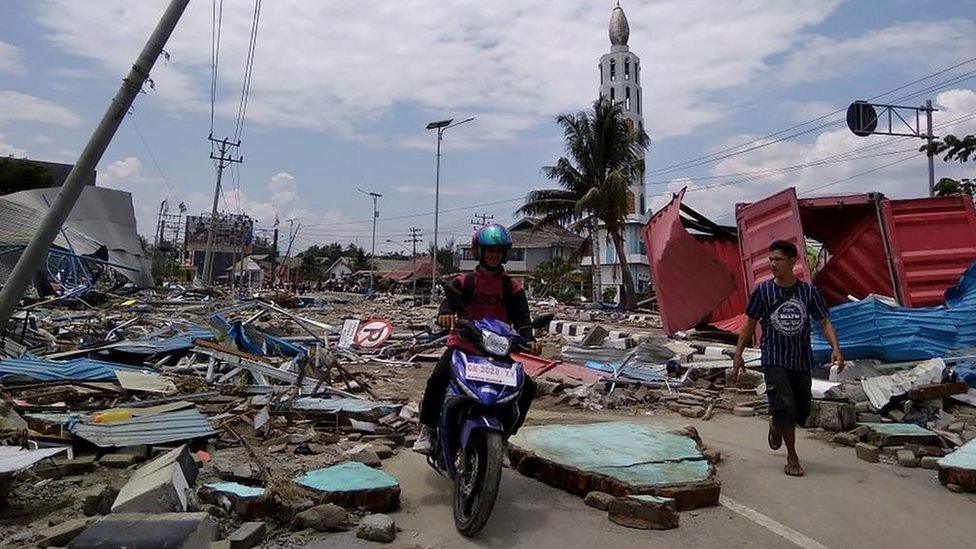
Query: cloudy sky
x=341, y=92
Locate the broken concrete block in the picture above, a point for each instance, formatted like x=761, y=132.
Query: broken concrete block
x=596, y=336
x=959, y=468
x=353, y=484
x=891, y=451
x=744, y=411
x=62, y=533
x=867, y=417
x=847, y=439
x=134, y=530
x=245, y=501
x=644, y=512
x=692, y=411
x=98, y=499
x=327, y=517
x=250, y=534
x=367, y=457
x=900, y=434
x=159, y=486
x=599, y=500
x=81, y=465
x=378, y=528
x=117, y=461
x=906, y=458
x=930, y=462
x=868, y=452
x=836, y=416
x=382, y=451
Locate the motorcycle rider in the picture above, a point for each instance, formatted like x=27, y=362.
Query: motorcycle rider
x=487, y=292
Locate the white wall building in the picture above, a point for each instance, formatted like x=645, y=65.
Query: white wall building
x=620, y=82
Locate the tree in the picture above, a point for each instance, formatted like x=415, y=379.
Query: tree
x=445, y=256
x=604, y=157
x=19, y=175
x=957, y=149
x=556, y=278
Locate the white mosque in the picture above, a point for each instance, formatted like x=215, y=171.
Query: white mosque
x=620, y=72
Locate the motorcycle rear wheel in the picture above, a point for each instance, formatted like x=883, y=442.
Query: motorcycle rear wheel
x=476, y=487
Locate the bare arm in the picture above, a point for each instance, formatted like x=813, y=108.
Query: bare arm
x=745, y=336
x=836, y=357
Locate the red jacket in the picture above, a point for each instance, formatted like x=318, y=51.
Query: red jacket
x=485, y=294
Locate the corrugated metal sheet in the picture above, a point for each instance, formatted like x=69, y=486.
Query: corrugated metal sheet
x=933, y=241
x=773, y=218
x=154, y=346
x=726, y=252
x=156, y=429
x=858, y=265
x=14, y=458
x=688, y=281
x=79, y=369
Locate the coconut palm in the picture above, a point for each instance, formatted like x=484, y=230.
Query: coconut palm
x=604, y=157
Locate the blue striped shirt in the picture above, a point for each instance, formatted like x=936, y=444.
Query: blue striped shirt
x=786, y=330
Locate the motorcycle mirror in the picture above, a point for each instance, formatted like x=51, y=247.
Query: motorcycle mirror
x=543, y=321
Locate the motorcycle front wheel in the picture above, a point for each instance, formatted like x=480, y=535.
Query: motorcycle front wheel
x=476, y=486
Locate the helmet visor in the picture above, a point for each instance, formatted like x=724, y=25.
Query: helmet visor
x=493, y=236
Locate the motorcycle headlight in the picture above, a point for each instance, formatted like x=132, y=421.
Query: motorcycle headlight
x=495, y=344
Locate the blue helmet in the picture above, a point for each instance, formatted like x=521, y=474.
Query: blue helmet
x=491, y=235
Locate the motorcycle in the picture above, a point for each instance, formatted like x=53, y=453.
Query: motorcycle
x=478, y=416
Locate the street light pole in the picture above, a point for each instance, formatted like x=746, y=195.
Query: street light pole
x=372, y=252
x=441, y=126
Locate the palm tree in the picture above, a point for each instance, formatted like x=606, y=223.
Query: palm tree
x=604, y=157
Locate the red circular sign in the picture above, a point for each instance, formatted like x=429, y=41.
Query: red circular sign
x=373, y=333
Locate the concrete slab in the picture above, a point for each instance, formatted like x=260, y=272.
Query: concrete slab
x=149, y=531
x=159, y=486
x=246, y=500
x=959, y=467
x=619, y=458
x=60, y=534
x=899, y=434
x=353, y=485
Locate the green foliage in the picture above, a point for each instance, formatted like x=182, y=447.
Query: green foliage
x=18, y=175
x=445, y=257
x=960, y=150
x=604, y=157
x=557, y=278
x=317, y=259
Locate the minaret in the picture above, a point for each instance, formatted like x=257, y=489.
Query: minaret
x=620, y=82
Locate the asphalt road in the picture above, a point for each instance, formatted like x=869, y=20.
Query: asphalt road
x=841, y=502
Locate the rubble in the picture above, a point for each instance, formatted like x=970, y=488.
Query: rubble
x=378, y=528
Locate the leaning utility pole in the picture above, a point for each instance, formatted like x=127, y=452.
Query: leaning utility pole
x=40, y=243
x=225, y=159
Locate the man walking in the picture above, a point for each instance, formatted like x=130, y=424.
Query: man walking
x=783, y=307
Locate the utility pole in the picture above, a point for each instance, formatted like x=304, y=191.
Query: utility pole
x=372, y=253
x=40, y=243
x=163, y=209
x=928, y=138
x=292, y=233
x=415, y=235
x=225, y=159
x=274, y=256
x=441, y=126
x=480, y=220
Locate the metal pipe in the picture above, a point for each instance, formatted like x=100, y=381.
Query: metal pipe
x=41, y=242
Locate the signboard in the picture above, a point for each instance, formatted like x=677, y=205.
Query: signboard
x=230, y=233
x=373, y=333
x=349, y=328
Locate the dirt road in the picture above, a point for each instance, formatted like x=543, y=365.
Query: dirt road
x=842, y=502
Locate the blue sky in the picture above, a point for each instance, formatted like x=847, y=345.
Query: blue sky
x=341, y=93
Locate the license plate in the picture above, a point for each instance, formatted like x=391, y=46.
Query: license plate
x=490, y=373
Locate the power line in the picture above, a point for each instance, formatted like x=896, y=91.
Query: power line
x=733, y=150
x=135, y=126
x=215, y=28
x=248, y=70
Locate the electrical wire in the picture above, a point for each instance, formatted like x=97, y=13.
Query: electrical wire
x=248, y=70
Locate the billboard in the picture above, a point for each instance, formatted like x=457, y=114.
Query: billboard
x=232, y=231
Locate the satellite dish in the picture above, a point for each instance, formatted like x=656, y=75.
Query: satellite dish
x=862, y=119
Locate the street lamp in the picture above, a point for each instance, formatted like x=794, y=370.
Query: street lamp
x=441, y=126
x=372, y=253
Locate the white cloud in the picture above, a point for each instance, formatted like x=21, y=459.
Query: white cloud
x=22, y=107
x=913, y=43
x=42, y=139
x=125, y=169
x=6, y=149
x=902, y=180
x=10, y=59
x=341, y=67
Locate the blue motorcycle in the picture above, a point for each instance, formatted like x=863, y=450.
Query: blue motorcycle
x=478, y=416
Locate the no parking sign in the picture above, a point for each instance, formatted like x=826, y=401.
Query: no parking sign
x=373, y=333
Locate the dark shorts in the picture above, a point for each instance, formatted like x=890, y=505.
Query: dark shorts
x=789, y=395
